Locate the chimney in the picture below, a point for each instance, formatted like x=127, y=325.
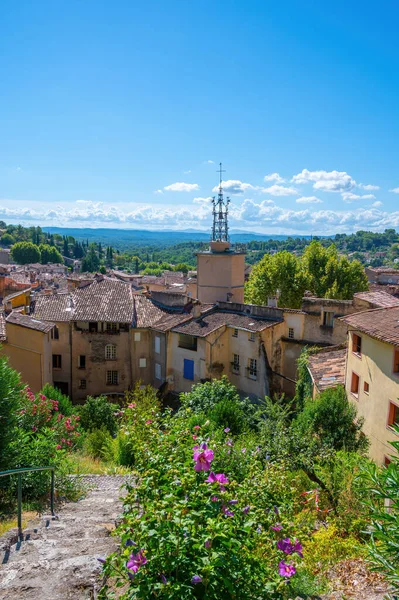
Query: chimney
x=196, y=310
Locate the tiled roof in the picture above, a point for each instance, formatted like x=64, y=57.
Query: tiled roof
x=212, y=321
x=379, y=323
x=379, y=299
x=103, y=299
x=15, y=295
x=327, y=368
x=17, y=318
x=391, y=270
x=52, y=307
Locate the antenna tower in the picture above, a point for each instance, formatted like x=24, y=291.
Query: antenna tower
x=220, y=227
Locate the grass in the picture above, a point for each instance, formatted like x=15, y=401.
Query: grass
x=10, y=522
x=83, y=464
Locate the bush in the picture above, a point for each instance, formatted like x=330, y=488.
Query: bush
x=98, y=443
x=10, y=394
x=65, y=405
x=98, y=413
x=229, y=413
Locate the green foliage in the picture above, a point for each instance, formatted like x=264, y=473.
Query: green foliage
x=382, y=485
x=304, y=384
x=7, y=239
x=228, y=413
x=204, y=397
x=65, y=405
x=91, y=262
x=320, y=270
x=98, y=444
x=332, y=420
x=97, y=413
x=10, y=394
x=49, y=254
x=25, y=252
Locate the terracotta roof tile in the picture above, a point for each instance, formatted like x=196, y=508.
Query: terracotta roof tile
x=17, y=318
x=379, y=323
x=327, y=368
x=212, y=321
x=379, y=299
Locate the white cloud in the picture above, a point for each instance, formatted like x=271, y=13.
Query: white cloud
x=326, y=181
x=280, y=190
x=209, y=162
x=187, y=172
x=368, y=188
x=274, y=177
x=202, y=200
x=235, y=187
x=309, y=200
x=180, y=186
x=350, y=197
x=395, y=190
x=158, y=192
x=377, y=204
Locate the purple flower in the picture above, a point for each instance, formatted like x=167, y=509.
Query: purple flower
x=215, y=499
x=130, y=542
x=245, y=510
x=208, y=543
x=233, y=501
x=243, y=450
x=289, y=547
x=277, y=527
x=227, y=430
x=276, y=510
x=203, y=459
x=217, y=478
x=196, y=579
x=286, y=569
x=226, y=511
x=229, y=442
x=101, y=560
x=164, y=580
x=136, y=561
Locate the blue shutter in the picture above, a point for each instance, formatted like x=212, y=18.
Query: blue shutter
x=188, y=369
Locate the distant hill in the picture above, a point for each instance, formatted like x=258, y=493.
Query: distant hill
x=124, y=237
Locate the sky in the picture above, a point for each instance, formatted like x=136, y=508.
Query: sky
x=117, y=114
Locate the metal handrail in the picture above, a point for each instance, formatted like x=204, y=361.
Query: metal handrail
x=19, y=473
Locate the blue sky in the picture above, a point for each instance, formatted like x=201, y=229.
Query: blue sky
x=117, y=113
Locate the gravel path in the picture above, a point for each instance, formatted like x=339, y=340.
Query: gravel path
x=57, y=560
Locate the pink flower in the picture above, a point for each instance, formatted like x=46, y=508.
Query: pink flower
x=215, y=499
x=133, y=405
x=217, y=478
x=196, y=427
x=277, y=527
x=244, y=450
x=148, y=422
x=286, y=569
x=58, y=447
x=34, y=428
x=227, y=429
x=203, y=458
x=194, y=437
x=289, y=547
x=207, y=544
x=136, y=561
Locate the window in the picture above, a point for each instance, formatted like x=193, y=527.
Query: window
x=236, y=363
x=112, y=377
x=55, y=333
x=396, y=361
x=188, y=369
x=137, y=336
x=252, y=368
x=291, y=333
x=157, y=371
x=82, y=384
x=93, y=327
x=110, y=352
x=112, y=327
x=366, y=387
x=82, y=361
x=355, y=384
x=251, y=337
x=393, y=414
x=187, y=341
x=235, y=332
x=142, y=363
x=328, y=318
x=57, y=361
x=157, y=344
x=356, y=344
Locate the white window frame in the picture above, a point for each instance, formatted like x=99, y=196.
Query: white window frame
x=110, y=352
x=251, y=336
x=142, y=363
x=137, y=336
x=252, y=368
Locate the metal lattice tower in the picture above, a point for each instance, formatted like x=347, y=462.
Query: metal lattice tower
x=220, y=227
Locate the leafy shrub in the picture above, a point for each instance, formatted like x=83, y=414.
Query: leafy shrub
x=122, y=450
x=98, y=443
x=205, y=396
x=65, y=405
x=10, y=392
x=98, y=413
x=326, y=547
x=228, y=413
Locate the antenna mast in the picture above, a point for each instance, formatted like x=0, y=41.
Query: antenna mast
x=220, y=227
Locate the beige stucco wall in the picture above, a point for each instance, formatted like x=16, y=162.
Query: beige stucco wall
x=29, y=353
x=375, y=367
x=62, y=346
x=219, y=274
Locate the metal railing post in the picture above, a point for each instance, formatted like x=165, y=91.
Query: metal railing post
x=52, y=493
x=19, y=504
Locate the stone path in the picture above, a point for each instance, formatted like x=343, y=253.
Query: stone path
x=57, y=560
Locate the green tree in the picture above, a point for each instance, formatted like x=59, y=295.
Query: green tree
x=25, y=253
x=10, y=394
x=7, y=240
x=50, y=254
x=91, y=262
